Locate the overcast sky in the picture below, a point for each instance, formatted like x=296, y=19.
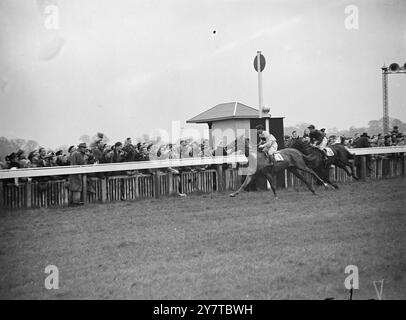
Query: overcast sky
x=127, y=67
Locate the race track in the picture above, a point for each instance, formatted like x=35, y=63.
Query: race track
x=212, y=246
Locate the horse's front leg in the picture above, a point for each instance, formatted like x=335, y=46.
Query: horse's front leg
x=344, y=165
x=246, y=182
x=270, y=179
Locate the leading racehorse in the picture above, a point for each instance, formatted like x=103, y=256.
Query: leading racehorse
x=320, y=162
x=293, y=161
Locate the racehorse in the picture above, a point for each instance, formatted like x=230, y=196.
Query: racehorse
x=318, y=161
x=293, y=161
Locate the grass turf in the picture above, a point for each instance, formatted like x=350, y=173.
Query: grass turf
x=212, y=246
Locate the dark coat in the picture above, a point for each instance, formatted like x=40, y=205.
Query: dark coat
x=362, y=142
x=75, y=180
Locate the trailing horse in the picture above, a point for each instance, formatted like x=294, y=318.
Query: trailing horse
x=320, y=162
x=293, y=161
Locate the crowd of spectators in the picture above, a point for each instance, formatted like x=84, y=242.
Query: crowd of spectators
x=100, y=152
x=127, y=151
x=393, y=138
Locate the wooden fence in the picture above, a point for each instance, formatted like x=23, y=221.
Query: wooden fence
x=384, y=163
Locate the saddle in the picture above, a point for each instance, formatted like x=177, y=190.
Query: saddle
x=276, y=156
x=329, y=152
x=326, y=151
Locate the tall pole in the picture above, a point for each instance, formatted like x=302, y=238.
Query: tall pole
x=385, y=101
x=259, y=83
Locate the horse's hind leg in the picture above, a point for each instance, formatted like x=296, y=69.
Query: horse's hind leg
x=297, y=174
x=246, y=183
x=270, y=179
x=314, y=174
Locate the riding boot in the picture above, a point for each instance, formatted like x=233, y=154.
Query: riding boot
x=271, y=159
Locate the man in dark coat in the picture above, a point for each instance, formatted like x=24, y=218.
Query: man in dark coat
x=362, y=141
x=292, y=139
x=75, y=180
x=129, y=151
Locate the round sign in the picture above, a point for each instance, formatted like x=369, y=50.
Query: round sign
x=261, y=63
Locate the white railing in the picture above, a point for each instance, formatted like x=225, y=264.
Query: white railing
x=123, y=166
x=377, y=150
x=29, y=194
x=157, y=164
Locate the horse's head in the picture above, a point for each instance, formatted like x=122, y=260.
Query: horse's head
x=301, y=145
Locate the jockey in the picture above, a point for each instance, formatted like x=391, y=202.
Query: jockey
x=268, y=142
x=317, y=138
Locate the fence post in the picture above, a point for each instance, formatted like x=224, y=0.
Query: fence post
x=2, y=204
x=354, y=168
x=155, y=176
x=170, y=183
x=363, y=168
x=391, y=166
x=379, y=167
x=84, y=188
x=28, y=194
x=220, y=175
x=404, y=164
x=103, y=189
x=373, y=167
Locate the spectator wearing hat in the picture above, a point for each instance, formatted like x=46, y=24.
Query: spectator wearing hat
x=388, y=140
x=395, y=135
x=374, y=141
x=362, y=141
x=395, y=131
x=115, y=154
x=22, y=159
x=50, y=159
x=33, y=157
x=89, y=158
x=41, y=161
x=12, y=161
x=401, y=141
x=129, y=151
x=381, y=140
x=97, y=152
x=61, y=159
x=75, y=180
x=355, y=138
x=292, y=139
x=143, y=154
x=71, y=150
